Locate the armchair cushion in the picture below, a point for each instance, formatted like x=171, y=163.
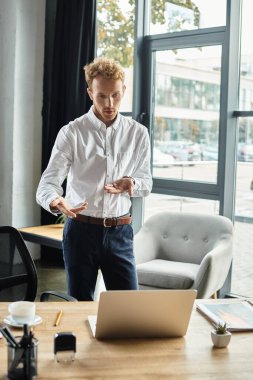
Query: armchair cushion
x=167, y=274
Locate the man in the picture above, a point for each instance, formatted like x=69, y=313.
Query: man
x=106, y=159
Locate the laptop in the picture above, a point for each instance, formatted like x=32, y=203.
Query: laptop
x=142, y=313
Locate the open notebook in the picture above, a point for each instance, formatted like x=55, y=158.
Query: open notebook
x=142, y=313
x=238, y=314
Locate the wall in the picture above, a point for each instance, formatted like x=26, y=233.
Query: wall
x=22, y=25
x=7, y=64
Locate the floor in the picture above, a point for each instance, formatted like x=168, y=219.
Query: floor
x=53, y=277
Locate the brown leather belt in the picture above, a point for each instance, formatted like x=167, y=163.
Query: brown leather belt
x=106, y=222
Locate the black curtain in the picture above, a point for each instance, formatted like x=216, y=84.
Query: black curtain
x=70, y=40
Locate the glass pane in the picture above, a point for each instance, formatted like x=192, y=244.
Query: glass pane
x=115, y=39
x=161, y=202
x=243, y=264
x=173, y=16
x=246, y=79
x=245, y=144
x=186, y=113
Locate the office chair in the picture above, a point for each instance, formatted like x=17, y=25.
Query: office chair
x=177, y=250
x=18, y=274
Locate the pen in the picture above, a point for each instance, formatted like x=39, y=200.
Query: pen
x=58, y=318
x=8, y=336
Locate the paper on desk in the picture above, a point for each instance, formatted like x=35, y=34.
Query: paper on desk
x=237, y=315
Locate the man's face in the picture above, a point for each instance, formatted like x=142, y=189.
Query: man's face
x=106, y=95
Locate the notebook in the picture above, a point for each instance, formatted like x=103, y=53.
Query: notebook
x=142, y=313
x=237, y=315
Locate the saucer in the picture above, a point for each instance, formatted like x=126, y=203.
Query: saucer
x=10, y=321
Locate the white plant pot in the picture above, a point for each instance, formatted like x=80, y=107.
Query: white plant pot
x=220, y=340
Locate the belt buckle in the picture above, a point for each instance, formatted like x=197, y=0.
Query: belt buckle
x=104, y=223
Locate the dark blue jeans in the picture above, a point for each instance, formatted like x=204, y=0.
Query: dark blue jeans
x=88, y=247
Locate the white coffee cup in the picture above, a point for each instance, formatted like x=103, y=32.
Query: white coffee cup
x=22, y=311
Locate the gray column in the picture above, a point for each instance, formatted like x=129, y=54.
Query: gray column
x=22, y=30
x=21, y=76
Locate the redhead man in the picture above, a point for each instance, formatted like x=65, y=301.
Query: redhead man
x=106, y=159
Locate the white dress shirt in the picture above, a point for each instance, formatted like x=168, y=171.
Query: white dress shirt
x=90, y=156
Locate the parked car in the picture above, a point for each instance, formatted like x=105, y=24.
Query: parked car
x=209, y=153
x=245, y=152
x=182, y=150
x=161, y=160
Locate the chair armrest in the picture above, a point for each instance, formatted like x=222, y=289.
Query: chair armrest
x=213, y=270
x=45, y=296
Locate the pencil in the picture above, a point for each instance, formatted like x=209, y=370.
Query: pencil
x=58, y=318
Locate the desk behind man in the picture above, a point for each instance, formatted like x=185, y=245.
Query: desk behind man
x=49, y=235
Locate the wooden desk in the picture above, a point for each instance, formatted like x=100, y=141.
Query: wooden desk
x=191, y=357
x=51, y=236
x=48, y=235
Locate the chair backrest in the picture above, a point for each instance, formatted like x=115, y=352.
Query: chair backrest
x=187, y=237
x=18, y=276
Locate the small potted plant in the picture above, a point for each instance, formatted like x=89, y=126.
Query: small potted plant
x=220, y=335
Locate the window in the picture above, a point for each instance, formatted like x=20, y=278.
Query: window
x=243, y=263
x=161, y=202
x=186, y=113
x=115, y=39
x=246, y=71
x=190, y=89
x=178, y=15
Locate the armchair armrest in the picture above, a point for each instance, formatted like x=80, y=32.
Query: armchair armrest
x=213, y=270
x=45, y=296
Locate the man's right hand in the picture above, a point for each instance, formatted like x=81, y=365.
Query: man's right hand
x=59, y=204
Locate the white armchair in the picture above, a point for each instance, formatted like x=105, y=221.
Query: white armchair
x=176, y=250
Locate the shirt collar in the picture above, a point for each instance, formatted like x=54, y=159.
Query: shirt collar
x=98, y=123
